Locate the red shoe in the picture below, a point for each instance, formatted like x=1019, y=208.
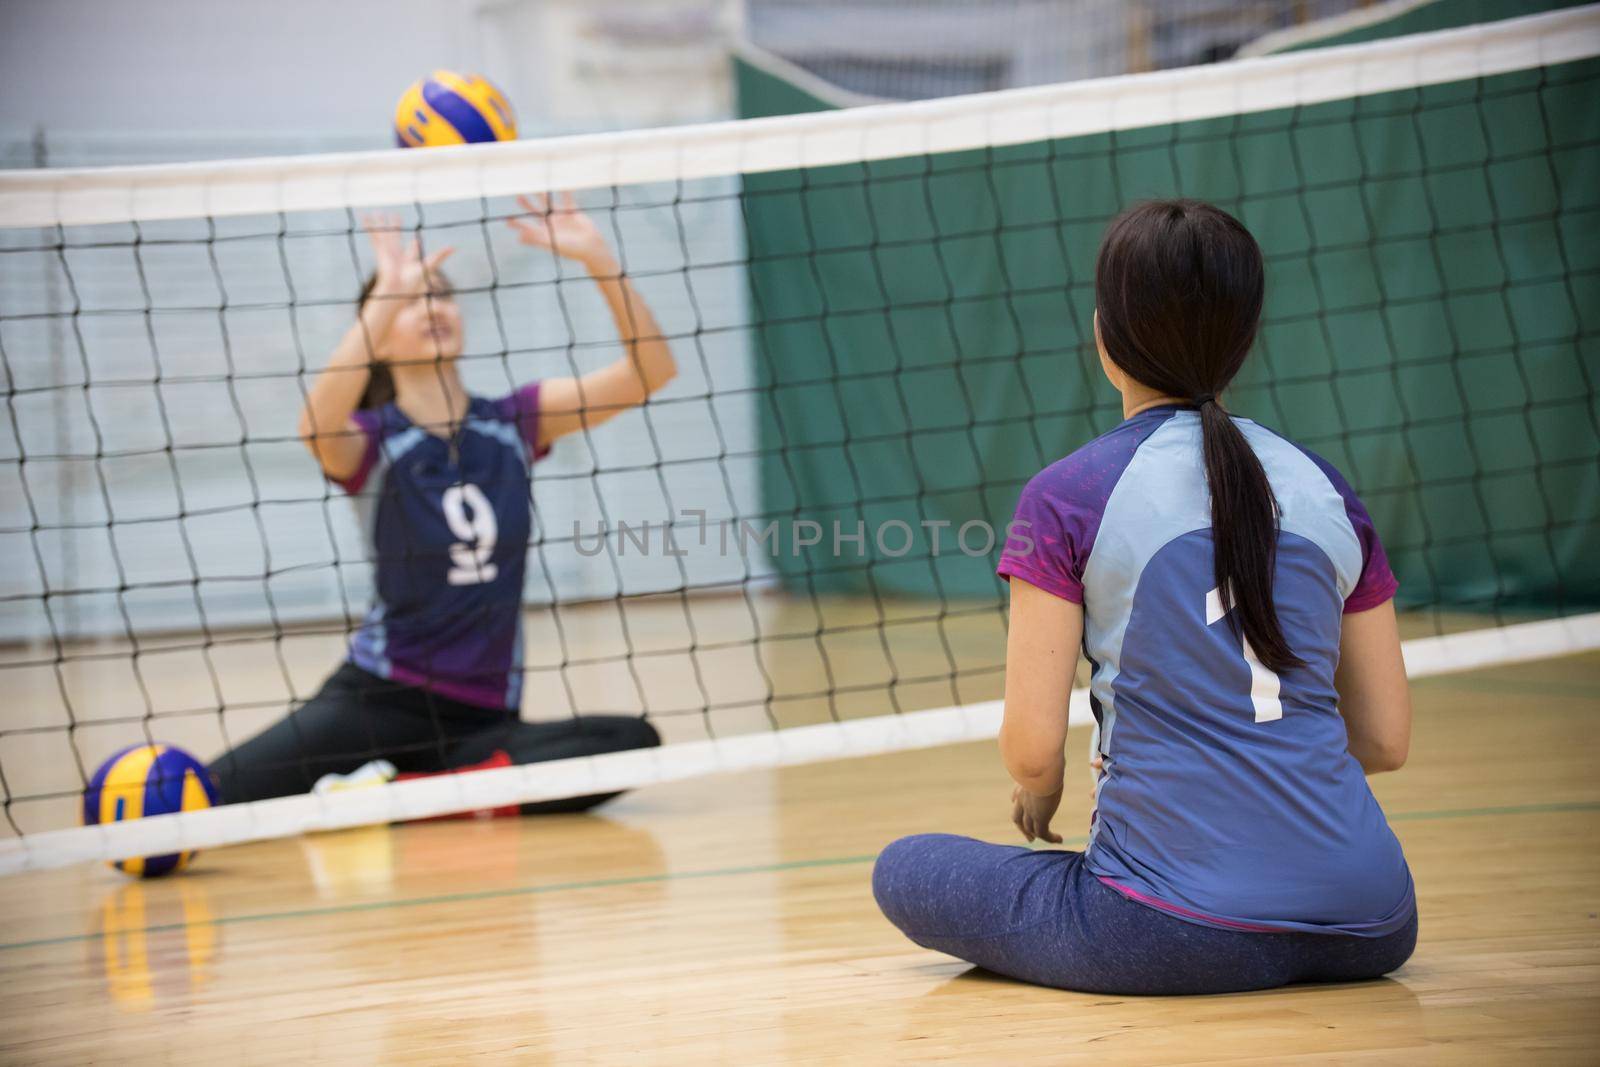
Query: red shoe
x=499, y=758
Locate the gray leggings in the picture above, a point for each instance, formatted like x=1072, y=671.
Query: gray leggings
x=1045, y=918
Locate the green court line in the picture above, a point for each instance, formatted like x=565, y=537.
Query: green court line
x=680, y=876
x=1478, y=813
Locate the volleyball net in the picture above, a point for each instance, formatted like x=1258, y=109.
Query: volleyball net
x=881, y=318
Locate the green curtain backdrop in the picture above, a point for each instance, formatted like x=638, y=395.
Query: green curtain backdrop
x=922, y=327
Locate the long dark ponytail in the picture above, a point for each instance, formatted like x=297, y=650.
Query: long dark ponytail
x=1178, y=291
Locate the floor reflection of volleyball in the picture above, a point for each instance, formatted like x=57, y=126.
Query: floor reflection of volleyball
x=148, y=779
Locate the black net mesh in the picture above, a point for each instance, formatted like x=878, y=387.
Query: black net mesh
x=873, y=359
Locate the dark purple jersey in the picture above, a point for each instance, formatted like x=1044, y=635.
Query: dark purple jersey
x=448, y=523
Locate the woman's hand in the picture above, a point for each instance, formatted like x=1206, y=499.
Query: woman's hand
x=1032, y=814
x=403, y=272
x=567, y=405
x=564, y=230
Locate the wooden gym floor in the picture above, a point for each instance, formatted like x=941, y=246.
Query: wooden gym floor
x=730, y=919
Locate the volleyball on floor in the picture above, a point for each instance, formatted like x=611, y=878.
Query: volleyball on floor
x=148, y=779
x=447, y=108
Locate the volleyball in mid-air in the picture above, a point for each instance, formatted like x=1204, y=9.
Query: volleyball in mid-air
x=148, y=779
x=449, y=108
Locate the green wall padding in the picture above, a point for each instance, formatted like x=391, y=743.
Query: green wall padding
x=924, y=344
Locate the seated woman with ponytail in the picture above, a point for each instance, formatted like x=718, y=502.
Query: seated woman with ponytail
x=1236, y=608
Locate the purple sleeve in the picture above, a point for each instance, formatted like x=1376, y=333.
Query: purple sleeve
x=1048, y=541
x=522, y=407
x=1058, y=516
x=1377, y=582
x=368, y=423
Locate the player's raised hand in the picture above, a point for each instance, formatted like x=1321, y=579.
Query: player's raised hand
x=563, y=228
x=403, y=271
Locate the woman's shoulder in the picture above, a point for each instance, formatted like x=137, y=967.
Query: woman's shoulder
x=1275, y=443
x=381, y=421
x=1329, y=511
x=1089, y=473
x=519, y=403
x=518, y=409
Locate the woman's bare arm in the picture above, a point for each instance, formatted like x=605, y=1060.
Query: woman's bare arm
x=1374, y=697
x=1041, y=659
x=567, y=405
x=326, y=426
x=570, y=404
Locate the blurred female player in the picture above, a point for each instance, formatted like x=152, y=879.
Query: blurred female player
x=1235, y=606
x=433, y=680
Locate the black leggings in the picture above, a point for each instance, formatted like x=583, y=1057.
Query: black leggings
x=357, y=716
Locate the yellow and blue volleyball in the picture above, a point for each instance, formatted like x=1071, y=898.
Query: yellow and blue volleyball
x=449, y=108
x=148, y=779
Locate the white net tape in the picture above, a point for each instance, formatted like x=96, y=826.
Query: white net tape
x=753, y=146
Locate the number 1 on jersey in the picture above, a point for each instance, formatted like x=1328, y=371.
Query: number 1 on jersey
x=1264, y=685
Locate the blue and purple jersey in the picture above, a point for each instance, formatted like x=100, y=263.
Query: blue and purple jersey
x=449, y=524
x=1228, y=796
